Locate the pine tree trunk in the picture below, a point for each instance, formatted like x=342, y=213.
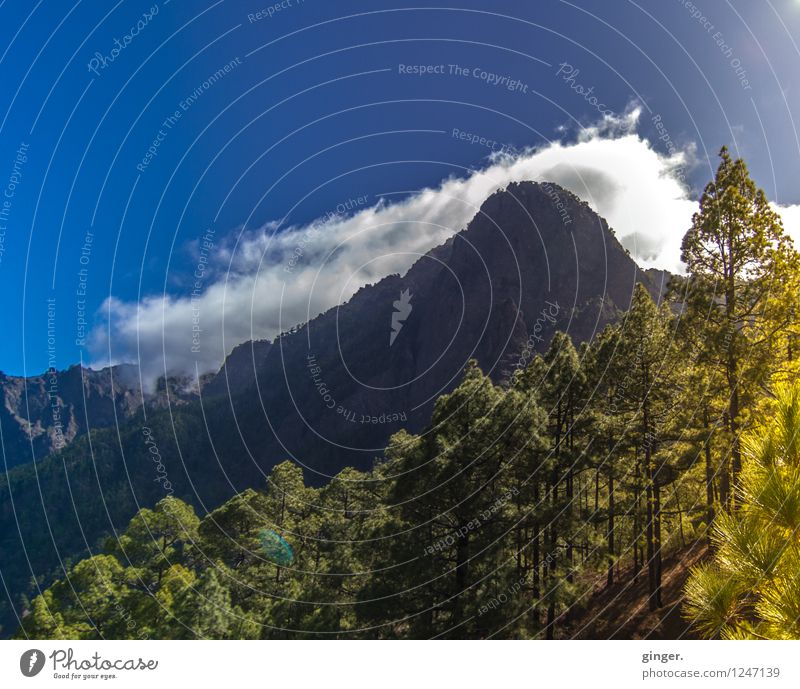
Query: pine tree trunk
x=725, y=475
x=709, y=475
x=570, y=438
x=656, y=600
x=536, y=541
x=552, y=584
x=462, y=561
x=653, y=502
x=732, y=369
x=552, y=536
x=596, y=490
x=610, y=534
x=651, y=576
x=680, y=517
x=736, y=450
x=570, y=500
x=637, y=527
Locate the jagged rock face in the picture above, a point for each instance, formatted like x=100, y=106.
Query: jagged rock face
x=534, y=260
x=42, y=414
x=238, y=372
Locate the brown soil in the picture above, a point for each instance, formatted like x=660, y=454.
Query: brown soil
x=622, y=611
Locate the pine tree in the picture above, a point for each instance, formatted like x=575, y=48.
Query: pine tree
x=751, y=589
x=91, y=603
x=607, y=378
x=737, y=257
x=563, y=396
x=207, y=610
x=647, y=355
x=157, y=539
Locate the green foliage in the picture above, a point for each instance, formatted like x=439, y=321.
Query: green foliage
x=738, y=311
x=750, y=589
x=480, y=526
x=496, y=521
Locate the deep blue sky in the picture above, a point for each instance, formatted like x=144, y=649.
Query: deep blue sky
x=325, y=76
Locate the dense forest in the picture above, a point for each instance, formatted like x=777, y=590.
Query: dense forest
x=676, y=424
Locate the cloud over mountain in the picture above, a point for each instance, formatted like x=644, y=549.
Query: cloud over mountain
x=267, y=281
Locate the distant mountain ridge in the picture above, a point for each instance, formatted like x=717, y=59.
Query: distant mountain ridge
x=42, y=414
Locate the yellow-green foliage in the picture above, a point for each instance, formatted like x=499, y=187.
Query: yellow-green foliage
x=751, y=588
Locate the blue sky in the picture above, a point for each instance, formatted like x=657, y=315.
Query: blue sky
x=309, y=109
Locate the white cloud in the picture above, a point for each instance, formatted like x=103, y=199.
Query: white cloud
x=276, y=278
x=791, y=221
